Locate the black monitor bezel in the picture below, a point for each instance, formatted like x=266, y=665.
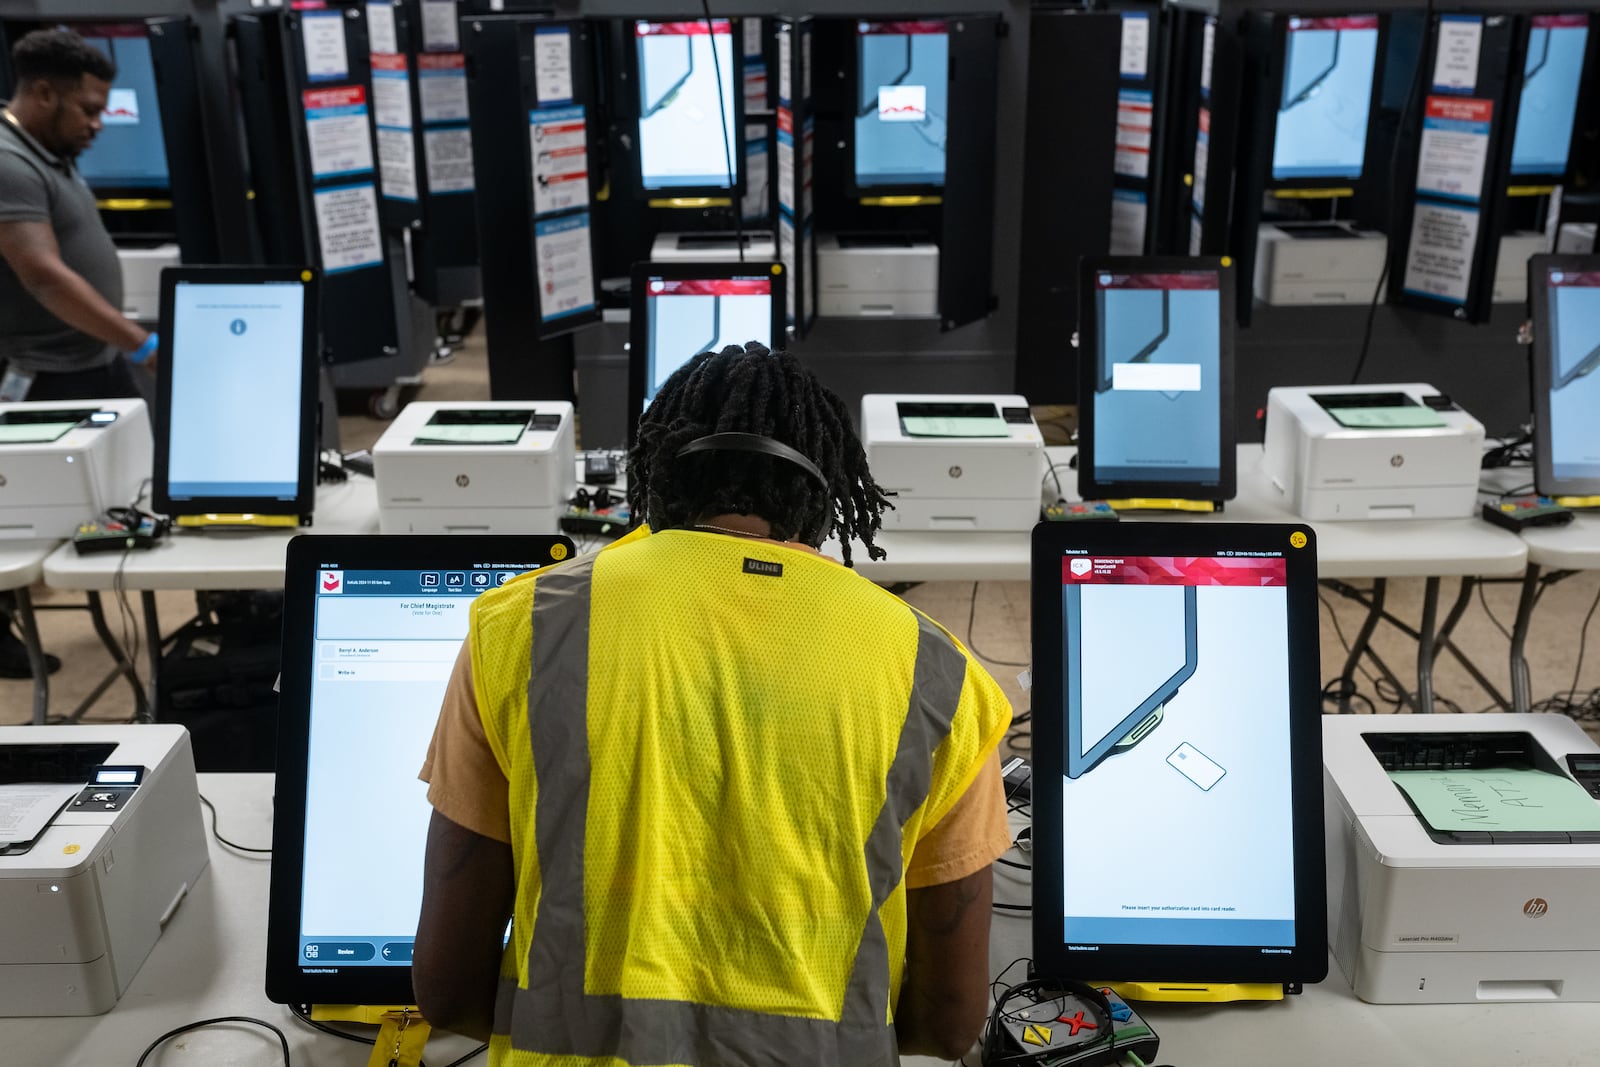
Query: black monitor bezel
x=1092, y=488
x=853, y=187
x=639, y=315
x=1308, y=961
x=309, y=280
x=1274, y=92
x=1541, y=359
x=634, y=106
x=308, y=554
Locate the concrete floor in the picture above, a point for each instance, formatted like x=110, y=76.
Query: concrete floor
x=999, y=633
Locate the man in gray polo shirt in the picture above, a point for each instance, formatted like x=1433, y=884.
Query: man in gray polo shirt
x=62, y=333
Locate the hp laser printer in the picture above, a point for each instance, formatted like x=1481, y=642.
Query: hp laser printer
x=65, y=462
x=1372, y=452
x=1463, y=857
x=100, y=841
x=476, y=467
x=955, y=462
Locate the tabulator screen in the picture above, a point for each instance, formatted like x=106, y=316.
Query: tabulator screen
x=1574, y=386
x=690, y=316
x=902, y=102
x=130, y=152
x=1551, y=79
x=686, y=137
x=1326, y=98
x=1157, y=406
x=385, y=644
x=1177, y=794
x=237, y=358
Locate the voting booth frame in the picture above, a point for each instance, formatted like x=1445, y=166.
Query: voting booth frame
x=186, y=209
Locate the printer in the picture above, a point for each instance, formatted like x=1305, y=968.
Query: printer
x=83, y=900
x=954, y=462
x=142, y=263
x=877, y=275
x=1372, y=452
x=1322, y=263
x=1423, y=911
x=63, y=462
x=714, y=247
x=476, y=467
x=1511, y=264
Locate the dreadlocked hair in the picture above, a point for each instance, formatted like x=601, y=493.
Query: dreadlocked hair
x=753, y=390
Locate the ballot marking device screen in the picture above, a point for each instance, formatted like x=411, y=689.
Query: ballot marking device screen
x=378, y=629
x=1551, y=79
x=130, y=152
x=684, y=132
x=1325, y=97
x=1174, y=780
x=237, y=361
x=683, y=309
x=1567, y=385
x=1159, y=394
x=902, y=103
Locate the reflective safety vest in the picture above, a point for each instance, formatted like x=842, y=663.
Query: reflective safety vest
x=721, y=754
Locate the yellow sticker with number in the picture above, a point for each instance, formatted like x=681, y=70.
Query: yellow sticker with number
x=1297, y=539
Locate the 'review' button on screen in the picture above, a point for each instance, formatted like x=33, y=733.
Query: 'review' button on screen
x=340, y=951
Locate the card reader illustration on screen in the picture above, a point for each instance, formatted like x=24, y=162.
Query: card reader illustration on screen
x=1145, y=350
x=1121, y=670
x=1306, y=70
x=1580, y=307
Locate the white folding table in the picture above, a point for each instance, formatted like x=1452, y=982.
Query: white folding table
x=22, y=564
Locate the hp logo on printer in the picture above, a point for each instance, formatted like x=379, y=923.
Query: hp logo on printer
x=1397, y=461
x=463, y=481
x=1536, y=907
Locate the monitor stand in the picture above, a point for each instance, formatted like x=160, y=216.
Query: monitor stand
x=1199, y=992
x=1154, y=503
x=244, y=520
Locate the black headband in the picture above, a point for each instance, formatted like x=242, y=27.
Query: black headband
x=753, y=442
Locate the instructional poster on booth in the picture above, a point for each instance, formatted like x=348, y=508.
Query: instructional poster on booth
x=449, y=159
x=391, y=92
x=336, y=131
x=552, y=65
x=1455, y=63
x=566, y=266
x=1455, y=147
x=381, y=35
x=440, y=33
x=1135, y=111
x=558, y=143
x=442, y=87
x=1135, y=61
x=347, y=227
x=397, y=164
x=1439, y=260
x=322, y=34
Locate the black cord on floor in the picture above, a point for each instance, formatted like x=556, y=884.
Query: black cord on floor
x=283, y=1040
x=972, y=614
x=223, y=840
x=1486, y=610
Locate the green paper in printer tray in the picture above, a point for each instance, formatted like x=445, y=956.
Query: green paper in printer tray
x=953, y=426
x=1404, y=417
x=1499, y=801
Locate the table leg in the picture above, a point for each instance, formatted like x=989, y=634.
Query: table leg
x=1521, y=681
x=1426, y=639
x=29, y=624
x=125, y=666
x=152, y=628
x=1363, y=640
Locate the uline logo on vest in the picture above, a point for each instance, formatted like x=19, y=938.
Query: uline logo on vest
x=761, y=566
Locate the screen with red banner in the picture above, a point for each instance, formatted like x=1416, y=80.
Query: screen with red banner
x=693, y=315
x=1176, y=672
x=1325, y=98
x=1552, y=84
x=902, y=103
x=687, y=133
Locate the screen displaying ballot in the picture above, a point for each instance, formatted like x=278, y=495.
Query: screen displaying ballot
x=1326, y=97
x=1551, y=79
x=237, y=358
x=1157, y=404
x=902, y=103
x=385, y=642
x=688, y=316
x=1574, y=352
x=687, y=137
x=1176, y=683
x=130, y=151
